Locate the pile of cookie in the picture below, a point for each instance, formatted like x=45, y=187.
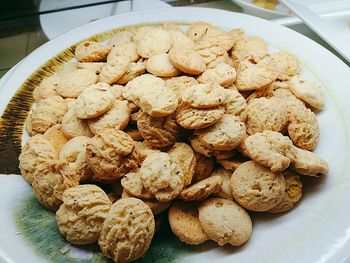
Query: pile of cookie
x=206, y=124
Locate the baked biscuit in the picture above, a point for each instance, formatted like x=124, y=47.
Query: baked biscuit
x=160, y=65
x=204, y=167
x=202, y=189
x=95, y=67
x=114, y=69
x=46, y=88
x=134, y=70
x=80, y=217
x=124, y=49
x=248, y=46
x=73, y=126
x=180, y=40
x=139, y=32
x=222, y=74
x=116, y=118
x=225, y=189
x=132, y=184
x=187, y=60
x=153, y=42
x=120, y=37
x=270, y=149
x=66, y=68
x=47, y=113
x=285, y=64
x=309, y=163
x=94, y=101
x=197, y=30
x=183, y=155
x=134, y=219
x=292, y=194
x=50, y=181
x=74, y=153
x=144, y=149
x=235, y=102
x=192, y=118
x=265, y=114
x=180, y=84
x=232, y=163
x=226, y=134
x=224, y=221
x=161, y=176
x=56, y=137
x=185, y=224
x=256, y=188
x=90, y=51
x=74, y=82
x=37, y=150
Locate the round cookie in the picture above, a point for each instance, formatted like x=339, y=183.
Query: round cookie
x=47, y=113
x=224, y=221
x=132, y=184
x=155, y=41
x=74, y=153
x=134, y=219
x=73, y=126
x=180, y=40
x=124, y=49
x=74, y=82
x=160, y=65
x=187, y=60
x=248, y=46
x=265, y=114
x=161, y=176
x=184, y=223
x=222, y=74
x=80, y=217
x=134, y=70
x=292, y=193
x=180, y=84
x=202, y=189
x=270, y=149
x=204, y=95
x=226, y=134
x=114, y=69
x=56, y=137
x=225, y=189
x=197, y=30
x=120, y=37
x=90, y=51
x=183, y=155
x=94, y=101
x=286, y=65
x=158, y=132
x=46, y=88
x=116, y=118
x=256, y=188
x=199, y=147
x=95, y=67
x=36, y=151
x=50, y=181
x=204, y=167
x=192, y=118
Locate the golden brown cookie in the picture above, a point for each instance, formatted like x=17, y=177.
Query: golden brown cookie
x=153, y=42
x=222, y=74
x=120, y=38
x=132, y=184
x=134, y=70
x=224, y=221
x=90, y=51
x=204, y=167
x=197, y=30
x=202, y=189
x=46, y=88
x=134, y=219
x=124, y=49
x=286, y=65
x=225, y=189
x=180, y=40
x=80, y=217
x=95, y=67
x=73, y=126
x=114, y=69
x=187, y=60
x=256, y=188
x=56, y=137
x=180, y=84
x=247, y=46
x=160, y=65
x=184, y=223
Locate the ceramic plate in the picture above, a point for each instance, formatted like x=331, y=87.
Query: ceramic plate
x=316, y=230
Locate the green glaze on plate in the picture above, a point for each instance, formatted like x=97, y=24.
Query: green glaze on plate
x=38, y=227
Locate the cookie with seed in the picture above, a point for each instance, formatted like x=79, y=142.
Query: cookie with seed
x=46, y=88
x=132, y=184
x=202, y=189
x=73, y=126
x=56, y=137
x=204, y=167
x=124, y=49
x=154, y=41
x=187, y=60
x=114, y=69
x=160, y=65
x=248, y=46
x=222, y=74
x=90, y=51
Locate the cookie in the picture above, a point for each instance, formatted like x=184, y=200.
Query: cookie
x=232, y=163
x=95, y=67
x=132, y=184
x=74, y=153
x=202, y=189
x=134, y=133
x=309, y=163
x=180, y=84
x=46, y=88
x=192, y=118
x=66, y=68
x=114, y=69
x=224, y=58
x=161, y=176
x=197, y=30
x=116, y=118
x=180, y=40
x=247, y=46
x=105, y=160
x=235, y=102
x=265, y=114
x=139, y=32
x=144, y=149
x=286, y=65
x=35, y=151
x=210, y=51
x=94, y=101
x=292, y=194
x=151, y=95
x=153, y=42
x=199, y=147
x=224, y=221
x=270, y=149
x=47, y=113
x=187, y=60
x=56, y=137
x=225, y=188
x=73, y=126
x=80, y=217
x=183, y=155
x=74, y=82
x=90, y=51
x=124, y=49
x=308, y=91
x=134, y=219
x=50, y=181
x=222, y=74
x=204, y=95
x=219, y=37
x=160, y=65
x=256, y=188
x=204, y=167
x=158, y=132
x=185, y=224
x=120, y=37
x=134, y=70
x=226, y=134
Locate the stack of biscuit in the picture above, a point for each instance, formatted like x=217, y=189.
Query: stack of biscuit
x=205, y=124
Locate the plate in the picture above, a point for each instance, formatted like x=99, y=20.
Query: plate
x=316, y=230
